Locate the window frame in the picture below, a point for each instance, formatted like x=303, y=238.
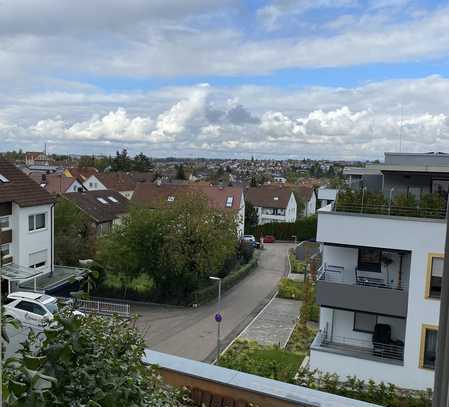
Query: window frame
x=7, y=217
x=363, y=330
x=422, y=346
x=430, y=258
x=34, y=218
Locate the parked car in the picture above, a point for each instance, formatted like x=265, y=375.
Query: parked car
x=32, y=309
x=250, y=239
x=268, y=239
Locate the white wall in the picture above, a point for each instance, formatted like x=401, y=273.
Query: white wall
x=421, y=237
x=93, y=184
x=25, y=242
x=241, y=218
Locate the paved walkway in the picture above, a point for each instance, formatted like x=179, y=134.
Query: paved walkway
x=192, y=333
x=275, y=323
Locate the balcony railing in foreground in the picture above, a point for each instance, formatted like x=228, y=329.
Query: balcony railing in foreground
x=385, y=352
x=337, y=274
x=390, y=210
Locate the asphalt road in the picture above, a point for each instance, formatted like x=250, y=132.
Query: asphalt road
x=192, y=333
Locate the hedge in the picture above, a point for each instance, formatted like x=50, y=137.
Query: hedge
x=303, y=229
x=209, y=293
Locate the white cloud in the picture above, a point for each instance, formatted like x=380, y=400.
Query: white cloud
x=360, y=122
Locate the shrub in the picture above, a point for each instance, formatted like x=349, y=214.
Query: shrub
x=297, y=266
x=303, y=229
x=246, y=251
x=291, y=289
x=208, y=293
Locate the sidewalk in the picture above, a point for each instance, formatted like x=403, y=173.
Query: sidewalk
x=275, y=324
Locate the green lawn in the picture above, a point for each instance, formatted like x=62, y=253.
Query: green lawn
x=267, y=361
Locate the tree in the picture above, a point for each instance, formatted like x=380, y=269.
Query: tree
x=253, y=182
x=85, y=361
x=142, y=163
x=178, y=247
x=180, y=173
x=72, y=241
x=121, y=161
x=251, y=218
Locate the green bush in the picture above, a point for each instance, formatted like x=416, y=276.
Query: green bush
x=291, y=289
x=209, y=293
x=266, y=361
x=297, y=266
x=303, y=229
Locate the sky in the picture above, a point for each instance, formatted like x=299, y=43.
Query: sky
x=335, y=79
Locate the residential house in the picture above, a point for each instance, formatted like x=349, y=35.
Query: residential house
x=308, y=197
x=57, y=183
x=36, y=158
x=105, y=208
x=80, y=173
x=223, y=198
x=273, y=203
x=121, y=182
x=26, y=226
x=380, y=283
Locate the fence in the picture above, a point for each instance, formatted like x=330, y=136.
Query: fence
x=99, y=307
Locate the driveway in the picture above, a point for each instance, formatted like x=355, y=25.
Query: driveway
x=192, y=333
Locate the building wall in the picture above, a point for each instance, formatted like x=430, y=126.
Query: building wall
x=25, y=242
x=93, y=184
x=401, y=182
x=241, y=218
x=420, y=237
x=310, y=208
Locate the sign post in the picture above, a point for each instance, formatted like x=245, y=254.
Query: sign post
x=218, y=317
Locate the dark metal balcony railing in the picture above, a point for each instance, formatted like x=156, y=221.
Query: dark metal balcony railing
x=392, y=351
x=390, y=210
x=336, y=274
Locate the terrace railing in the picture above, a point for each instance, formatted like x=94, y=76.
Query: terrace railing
x=391, y=210
x=392, y=351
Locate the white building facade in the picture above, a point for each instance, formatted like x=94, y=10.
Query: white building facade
x=268, y=214
x=378, y=289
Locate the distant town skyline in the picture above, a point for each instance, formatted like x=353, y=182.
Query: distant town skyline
x=325, y=79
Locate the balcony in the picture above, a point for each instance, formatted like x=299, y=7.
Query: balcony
x=359, y=291
x=390, y=352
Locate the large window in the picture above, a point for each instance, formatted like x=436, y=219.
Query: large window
x=434, y=275
x=364, y=322
x=369, y=259
x=428, y=346
x=36, y=222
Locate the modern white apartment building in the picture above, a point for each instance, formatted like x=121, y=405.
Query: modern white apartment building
x=380, y=281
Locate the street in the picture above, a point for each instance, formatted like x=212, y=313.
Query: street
x=192, y=333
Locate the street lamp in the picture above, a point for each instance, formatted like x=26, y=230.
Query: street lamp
x=218, y=316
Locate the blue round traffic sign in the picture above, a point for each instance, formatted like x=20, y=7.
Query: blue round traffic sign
x=218, y=317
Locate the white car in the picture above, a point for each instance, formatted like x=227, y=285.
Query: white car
x=31, y=309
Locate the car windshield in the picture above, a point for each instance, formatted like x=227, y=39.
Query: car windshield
x=52, y=306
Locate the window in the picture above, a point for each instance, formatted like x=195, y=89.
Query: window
x=171, y=198
x=103, y=228
x=31, y=307
x=429, y=337
x=435, y=265
x=4, y=222
x=369, y=259
x=4, y=250
x=103, y=201
x=38, y=259
x=36, y=222
x=112, y=199
x=3, y=179
x=364, y=322
x=229, y=201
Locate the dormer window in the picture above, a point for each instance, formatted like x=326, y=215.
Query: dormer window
x=103, y=201
x=3, y=179
x=229, y=201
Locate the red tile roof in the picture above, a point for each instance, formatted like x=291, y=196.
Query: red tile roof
x=268, y=196
x=156, y=195
x=117, y=181
x=20, y=188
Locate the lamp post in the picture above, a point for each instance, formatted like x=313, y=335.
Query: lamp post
x=363, y=196
x=389, y=202
x=218, y=317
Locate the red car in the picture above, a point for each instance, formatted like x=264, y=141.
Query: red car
x=268, y=239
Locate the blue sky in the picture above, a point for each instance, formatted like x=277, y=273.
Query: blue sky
x=318, y=78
